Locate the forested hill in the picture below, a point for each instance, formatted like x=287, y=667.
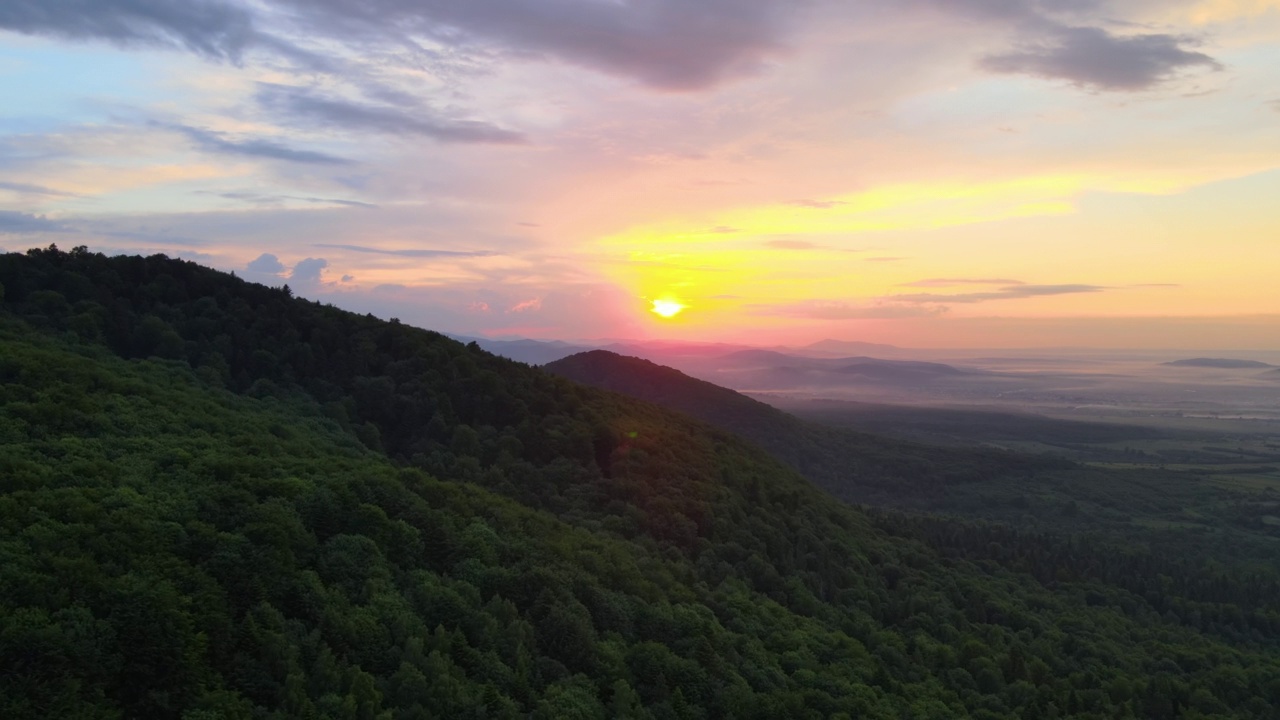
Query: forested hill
x=219, y=501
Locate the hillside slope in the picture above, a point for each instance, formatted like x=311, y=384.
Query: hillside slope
x=1163, y=510
x=220, y=501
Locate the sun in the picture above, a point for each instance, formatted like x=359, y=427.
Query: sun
x=667, y=308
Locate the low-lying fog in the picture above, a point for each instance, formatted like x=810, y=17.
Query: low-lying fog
x=1168, y=385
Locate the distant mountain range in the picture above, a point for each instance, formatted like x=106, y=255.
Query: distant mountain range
x=848, y=347
x=1220, y=363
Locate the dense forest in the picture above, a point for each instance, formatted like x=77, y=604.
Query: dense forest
x=221, y=501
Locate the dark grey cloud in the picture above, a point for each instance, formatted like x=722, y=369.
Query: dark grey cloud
x=304, y=106
x=210, y=28
x=266, y=263
x=1092, y=57
x=27, y=189
x=1012, y=292
x=265, y=199
x=412, y=253
x=308, y=270
x=214, y=142
x=948, y=282
x=19, y=223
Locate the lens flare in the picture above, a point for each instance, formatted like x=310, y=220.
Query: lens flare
x=667, y=308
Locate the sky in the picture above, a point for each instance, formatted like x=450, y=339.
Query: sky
x=927, y=173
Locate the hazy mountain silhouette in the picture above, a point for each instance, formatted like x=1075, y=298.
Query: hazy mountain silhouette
x=1222, y=363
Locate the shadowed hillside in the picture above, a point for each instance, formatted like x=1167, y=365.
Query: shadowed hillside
x=834, y=447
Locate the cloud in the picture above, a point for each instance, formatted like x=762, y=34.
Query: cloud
x=843, y=310
x=882, y=259
x=210, y=28
x=723, y=230
x=1012, y=292
x=1092, y=57
x=20, y=223
x=263, y=199
x=348, y=278
x=302, y=105
x=218, y=143
x=526, y=306
x=412, y=252
x=666, y=44
x=266, y=263
x=948, y=282
x=25, y=189
x=308, y=270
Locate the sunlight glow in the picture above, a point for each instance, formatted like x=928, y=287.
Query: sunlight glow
x=667, y=308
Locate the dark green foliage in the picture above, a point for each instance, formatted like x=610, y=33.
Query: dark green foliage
x=218, y=501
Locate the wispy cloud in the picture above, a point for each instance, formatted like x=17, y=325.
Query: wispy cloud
x=846, y=310
x=305, y=106
x=667, y=44
x=267, y=199
x=210, y=28
x=411, y=252
x=1012, y=292
x=951, y=282
x=219, y=143
x=26, y=189
x=526, y=306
